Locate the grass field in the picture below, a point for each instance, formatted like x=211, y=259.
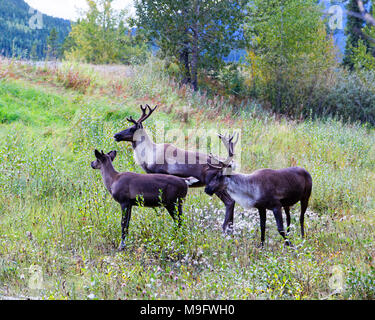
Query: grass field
x=59, y=227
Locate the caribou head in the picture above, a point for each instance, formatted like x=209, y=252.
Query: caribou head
x=218, y=168
x=128, y=134
x=102, y=159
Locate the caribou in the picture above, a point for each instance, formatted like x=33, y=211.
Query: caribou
x=168, y=159
x=133, y=189
x=263, y=189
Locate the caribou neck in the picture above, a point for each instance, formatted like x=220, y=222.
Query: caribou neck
x=227, y=180
x=144, y=149
x=108, y=174
x=234, y=182
x=142, y=139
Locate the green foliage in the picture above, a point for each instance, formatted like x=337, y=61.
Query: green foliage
x=292, y=65
x=102, y=37
x=361, y=54
x=361, y=284
x=18, y=39
x=289, y=53
x=353, y=33
x=199, y=33
x=351, y=97
x=233, y=80
x=52, y=45
x=361, y=58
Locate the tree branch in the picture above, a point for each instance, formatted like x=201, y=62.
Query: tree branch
x=364, y=15
x=363, y=35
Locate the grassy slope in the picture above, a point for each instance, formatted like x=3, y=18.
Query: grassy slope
x=56, y=216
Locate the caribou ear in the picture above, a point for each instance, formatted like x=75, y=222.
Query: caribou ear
x=112, y=154
x=97, y=154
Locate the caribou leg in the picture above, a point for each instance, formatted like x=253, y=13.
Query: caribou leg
x=126, y=214
x=287, y=213
x=279, y=221
x=229, y=209
x=263, y=218
x=304, y=203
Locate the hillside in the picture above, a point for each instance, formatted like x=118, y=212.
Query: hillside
x=57, y=219
x=20, y=35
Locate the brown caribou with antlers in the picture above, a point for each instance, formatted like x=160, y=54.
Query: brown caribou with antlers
x=263, y=189
x=169, y=159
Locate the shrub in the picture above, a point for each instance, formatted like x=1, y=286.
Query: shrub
x=361, y=285
x=101, y=37
x=362, y=57
x=289, y=53
x=233, y=80
x=350, y=97
x=75, y=77
x=293, y=68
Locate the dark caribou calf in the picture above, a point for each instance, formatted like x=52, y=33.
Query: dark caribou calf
x=127, y=187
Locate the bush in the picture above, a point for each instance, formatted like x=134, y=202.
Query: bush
x=350, y=97
x=233, y=80
x=289, y=54
x=335, y=92
x=293, y=68
x=361, y=285
x=75, y=77
x=101, y=37
x=362, y=57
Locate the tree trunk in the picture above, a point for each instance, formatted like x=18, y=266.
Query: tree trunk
x=184, y=60
x=184, y=54
x=194, y=63
x=195, y=50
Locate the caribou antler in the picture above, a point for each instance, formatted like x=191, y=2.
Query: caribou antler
x=229, y=144
x=150, y=111
x=130, y=119
x=220, y=165
x=144, y=115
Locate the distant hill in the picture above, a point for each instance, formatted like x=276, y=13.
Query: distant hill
x=23, y=32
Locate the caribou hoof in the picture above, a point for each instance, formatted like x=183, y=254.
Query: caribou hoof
x=260, y=246
x=288, y=244
x=122, y=246
x=228, y=229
